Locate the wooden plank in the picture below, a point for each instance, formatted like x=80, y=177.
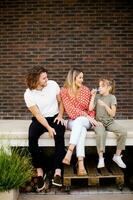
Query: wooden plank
x=115, y=169
x=104, y=172
x=94, y=181
x=120, y=180
x=94, y=174
x=68, y=171
x=91, y=169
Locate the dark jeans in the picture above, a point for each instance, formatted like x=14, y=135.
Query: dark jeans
x=35, y=131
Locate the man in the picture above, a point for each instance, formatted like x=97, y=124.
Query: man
x=43, y=100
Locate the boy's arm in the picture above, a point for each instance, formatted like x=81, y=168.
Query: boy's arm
x=40, y=118
x=61, y=107
x=59, y=117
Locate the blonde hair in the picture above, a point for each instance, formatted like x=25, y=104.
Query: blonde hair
x=71, y=78
x=109, y=82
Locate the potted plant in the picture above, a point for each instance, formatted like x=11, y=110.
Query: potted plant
x=15, y=170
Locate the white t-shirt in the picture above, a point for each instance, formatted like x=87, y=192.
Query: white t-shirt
x=45, y=99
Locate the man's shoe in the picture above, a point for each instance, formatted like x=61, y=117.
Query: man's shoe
x=40, y=183
x=57, y=181
x=101, y=163
x=119, y=161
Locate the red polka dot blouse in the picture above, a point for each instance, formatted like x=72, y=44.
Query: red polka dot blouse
x=77, y=106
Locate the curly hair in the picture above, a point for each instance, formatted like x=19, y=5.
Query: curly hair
x=33, y=77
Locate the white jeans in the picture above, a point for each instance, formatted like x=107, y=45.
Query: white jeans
x=78, y=129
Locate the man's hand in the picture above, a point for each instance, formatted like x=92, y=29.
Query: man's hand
x=51, y=132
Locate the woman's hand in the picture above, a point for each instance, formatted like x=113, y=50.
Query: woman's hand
x=93, y=122
x=99, y=123
x=59, y=119
x=51, y=132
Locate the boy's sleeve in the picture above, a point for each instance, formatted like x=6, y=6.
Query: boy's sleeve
x=29, y=100
x=113, y=100
x=57, y=88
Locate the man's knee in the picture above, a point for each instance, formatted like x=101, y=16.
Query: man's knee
x=60, y=130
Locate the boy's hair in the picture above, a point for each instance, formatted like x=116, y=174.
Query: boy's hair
x=109, y=82
x=33, y=77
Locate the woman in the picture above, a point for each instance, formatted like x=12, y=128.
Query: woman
x=76, y=98
x=43, y=101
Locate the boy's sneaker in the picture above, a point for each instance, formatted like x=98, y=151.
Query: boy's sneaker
x=119, y=161
x=101, y=163
x=40, y=183
x=57, y=181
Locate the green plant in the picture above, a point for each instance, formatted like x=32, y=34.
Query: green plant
x=15, y=169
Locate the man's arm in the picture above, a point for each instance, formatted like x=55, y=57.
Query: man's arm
x=59, y=118
x=37, y=114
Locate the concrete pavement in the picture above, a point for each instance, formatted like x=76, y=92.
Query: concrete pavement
x=110, y=196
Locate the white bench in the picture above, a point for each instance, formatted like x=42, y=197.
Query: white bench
x=15, y=133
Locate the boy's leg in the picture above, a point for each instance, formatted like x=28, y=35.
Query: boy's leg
x=100, y=138
x=121, y=135
x=100, y=142
x=35, y=131
x=59, y=152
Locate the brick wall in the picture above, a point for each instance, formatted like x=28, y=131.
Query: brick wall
x=96, y=36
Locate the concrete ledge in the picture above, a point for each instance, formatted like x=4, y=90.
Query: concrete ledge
x=15, y=133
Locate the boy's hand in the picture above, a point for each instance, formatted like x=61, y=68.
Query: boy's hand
x=51, y=132
x=93, y=92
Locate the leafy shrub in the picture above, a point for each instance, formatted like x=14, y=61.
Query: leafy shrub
x=15, y=169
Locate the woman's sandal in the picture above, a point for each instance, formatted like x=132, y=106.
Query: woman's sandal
x=66, y=160
x=81, y=172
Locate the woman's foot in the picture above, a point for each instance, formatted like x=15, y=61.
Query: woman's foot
x=81, y=171
x=68, y=156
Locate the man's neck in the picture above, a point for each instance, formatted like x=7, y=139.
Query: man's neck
x=39, y=87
